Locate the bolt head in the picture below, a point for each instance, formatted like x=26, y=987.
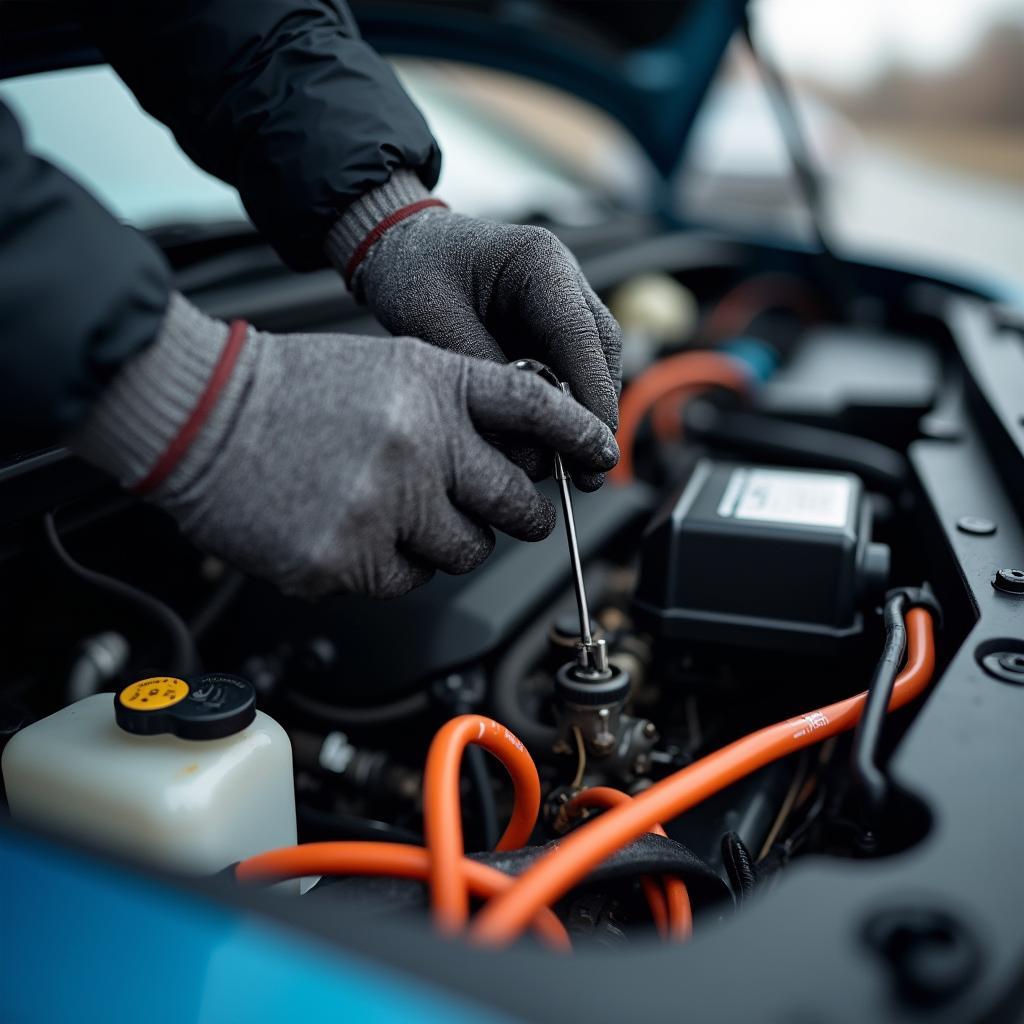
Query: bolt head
x=1009, y=581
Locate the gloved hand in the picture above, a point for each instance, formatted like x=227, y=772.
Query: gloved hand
x=491, y=290
x=330, y=462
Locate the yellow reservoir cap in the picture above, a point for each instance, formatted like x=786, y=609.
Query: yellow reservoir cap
x=154, y=693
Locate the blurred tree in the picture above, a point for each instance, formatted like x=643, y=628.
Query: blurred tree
x=987, y=88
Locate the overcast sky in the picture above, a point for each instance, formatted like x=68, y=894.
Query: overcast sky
x=847, y=42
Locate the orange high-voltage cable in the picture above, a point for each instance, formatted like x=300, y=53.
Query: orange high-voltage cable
x=735, y=311
x=442, y=814
x=670, y=376
x=503, y=918
x=670, y=909
x=395, y=859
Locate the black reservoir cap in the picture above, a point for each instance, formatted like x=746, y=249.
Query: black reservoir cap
x=209, y=706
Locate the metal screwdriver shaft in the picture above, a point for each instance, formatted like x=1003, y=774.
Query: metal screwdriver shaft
x=574, y=548
x=592, y=655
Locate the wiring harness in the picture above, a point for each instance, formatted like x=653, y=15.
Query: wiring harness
x=515, y=904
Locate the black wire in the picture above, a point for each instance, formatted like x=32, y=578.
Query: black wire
x=475, y=761
x=868, y=776
x=749, y=433
x=480, y=781
x=217, y=603
x=338, y=825
x=382, y=714
x=184, y=659
x=739, y=866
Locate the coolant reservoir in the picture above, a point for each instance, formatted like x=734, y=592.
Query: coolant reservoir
x=188, y=775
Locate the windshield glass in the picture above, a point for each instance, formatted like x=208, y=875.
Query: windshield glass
x=86, y=121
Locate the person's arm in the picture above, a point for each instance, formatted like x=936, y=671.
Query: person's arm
x=80, y=294
x=280, y=98
x=319, y=462
x=326, y=462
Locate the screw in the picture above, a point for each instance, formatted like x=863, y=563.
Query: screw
x=977, y=525
x=1009, y=581
x=650, y=731
x=603, y=743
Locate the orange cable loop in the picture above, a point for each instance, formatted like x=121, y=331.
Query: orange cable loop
x=369, y=858
x=442, y=816
x=685, y=371
x=670, y=909
x=502, y=919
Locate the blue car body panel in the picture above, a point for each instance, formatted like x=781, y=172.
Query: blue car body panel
x=82, y=940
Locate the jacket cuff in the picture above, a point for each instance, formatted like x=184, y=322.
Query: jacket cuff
x=355, y=231
x=153, y=403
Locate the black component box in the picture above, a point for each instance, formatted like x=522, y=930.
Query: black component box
x=763, y=557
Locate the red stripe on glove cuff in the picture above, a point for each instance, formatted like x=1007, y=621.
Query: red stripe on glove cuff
x=184, y=438
x=393, y=218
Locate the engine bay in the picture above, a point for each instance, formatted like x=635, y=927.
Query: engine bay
x=817, y=518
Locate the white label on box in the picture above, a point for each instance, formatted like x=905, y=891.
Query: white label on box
x=782, y=496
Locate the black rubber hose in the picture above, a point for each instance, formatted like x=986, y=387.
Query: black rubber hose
x=750, y=433
x=868, y=777
x=381, y=714
x=184, y=657
x=480, y=781
x=475, y=759
x=332, y=825
x=739, y=866
x=507, y=691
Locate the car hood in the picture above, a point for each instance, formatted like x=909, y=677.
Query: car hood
x=647, y=64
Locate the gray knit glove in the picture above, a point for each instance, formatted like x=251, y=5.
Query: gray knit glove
x=495, y=291
x=334, y=462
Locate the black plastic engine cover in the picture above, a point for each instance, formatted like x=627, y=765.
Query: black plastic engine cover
x=390, y=648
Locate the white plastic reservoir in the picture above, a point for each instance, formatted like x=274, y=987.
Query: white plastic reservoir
x=191, y=804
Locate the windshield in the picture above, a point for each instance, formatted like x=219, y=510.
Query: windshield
x=86, y=121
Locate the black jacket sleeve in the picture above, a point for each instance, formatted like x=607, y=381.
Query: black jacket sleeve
x=79, y=294
x=280, y=98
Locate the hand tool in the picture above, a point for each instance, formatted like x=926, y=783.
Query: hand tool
x=591, y=654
